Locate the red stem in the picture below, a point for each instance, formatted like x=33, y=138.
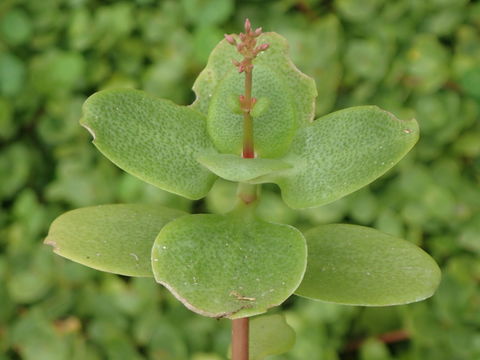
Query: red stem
x=248, y=147
x=240, y=339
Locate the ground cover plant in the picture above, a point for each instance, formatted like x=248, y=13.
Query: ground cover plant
x=414, y=59
x=251, y=123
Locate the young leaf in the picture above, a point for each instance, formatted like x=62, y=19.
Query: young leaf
x=229, y=265
x=270, y=335
x=356, y=265
x=113, y=238
x=273, y=129
x=235, y=168
x=342, y=152
x=151, y=138
x=301, y=89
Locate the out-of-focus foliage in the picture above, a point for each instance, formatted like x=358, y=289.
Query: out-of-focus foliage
x=414, y=58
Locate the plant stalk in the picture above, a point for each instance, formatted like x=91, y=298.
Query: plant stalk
x=240, y=339
x=247, y=193
x=248, y=147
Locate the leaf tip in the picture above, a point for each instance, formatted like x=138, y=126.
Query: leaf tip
x=50, y=242
x=88, y=129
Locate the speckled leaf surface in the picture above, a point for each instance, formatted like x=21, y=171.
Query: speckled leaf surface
x=273, y=129
x=356, y=265
x=270, y=335
x=342, y=152
x=301, y=88
x=114, y=238
x=151, y=138
x=218, y=66
x=235, y=168
x=229, y=265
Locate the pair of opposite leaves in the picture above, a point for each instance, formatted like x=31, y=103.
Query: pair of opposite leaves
x=235, y=265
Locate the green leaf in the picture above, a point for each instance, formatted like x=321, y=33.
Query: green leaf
x=270, y=335
x=273, y=130
x=356, y=265
x=235, y=168
x=301, y=89
x=113, y=238
x=342, y=152
x=229, y=265
x=151, y=138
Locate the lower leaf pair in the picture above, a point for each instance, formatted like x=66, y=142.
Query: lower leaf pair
x=236, y=265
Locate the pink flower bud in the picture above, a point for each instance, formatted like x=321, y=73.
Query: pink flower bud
x=264, y=47
x=258, y=31
x=248, y=26
x=230, y=39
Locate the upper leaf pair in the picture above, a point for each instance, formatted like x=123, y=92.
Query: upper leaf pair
x=182, y=149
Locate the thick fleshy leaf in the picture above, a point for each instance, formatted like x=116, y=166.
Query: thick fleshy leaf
x=270, y=335
x=301, y=88
x=151, y=138
x=273, y=129
x=235, y=168
x=114, y=238
x=342, y=152
x=229, y=265
x=356, y=265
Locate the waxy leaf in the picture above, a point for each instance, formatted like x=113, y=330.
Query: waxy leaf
x=273, y=129
x=113, y=238
x=356, y=265
x=342, y=152
x=151, y=138
x=270, y=335
x=229, y=265
x=235, y=168
x=300, y=88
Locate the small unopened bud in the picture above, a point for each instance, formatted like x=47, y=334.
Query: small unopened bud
x=263, y=47
x=241, y=68
x=240, y=46
x=230, y=39
x=258, y=31
x=248, y=26
x=235, y=62
x=242, y=36
x=242, y=98
x=254, y=100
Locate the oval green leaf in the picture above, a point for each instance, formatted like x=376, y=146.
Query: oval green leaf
x=356, y=265
x=235, y=168
x=229, y=265
x=273, y=129
x=270, y=335
x=114, y=238
x=301, y=88
x=342, y=152
x=151, y=138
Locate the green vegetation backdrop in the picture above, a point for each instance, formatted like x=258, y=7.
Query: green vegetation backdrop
x=414, y=58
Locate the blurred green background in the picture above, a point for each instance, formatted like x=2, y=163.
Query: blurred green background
x=415, y=58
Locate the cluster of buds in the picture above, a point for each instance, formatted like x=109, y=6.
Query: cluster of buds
x=247, y=47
